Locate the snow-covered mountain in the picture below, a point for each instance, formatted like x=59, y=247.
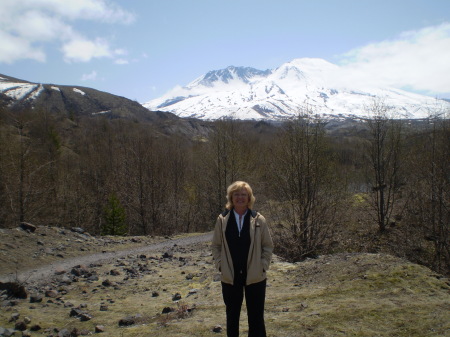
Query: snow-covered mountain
x=302, y=85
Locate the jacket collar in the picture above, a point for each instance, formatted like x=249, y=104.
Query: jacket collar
x=253, y=213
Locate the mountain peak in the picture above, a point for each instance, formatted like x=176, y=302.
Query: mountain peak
x=229, y=74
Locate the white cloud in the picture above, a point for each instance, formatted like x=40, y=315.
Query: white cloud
x=92, y=76
x=28, y=26
x=15, y=48
x=120, y=52
x=121, y=61
x=102, y=10
x=416, y=60
x=83, y=50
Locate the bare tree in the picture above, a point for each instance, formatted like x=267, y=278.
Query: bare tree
x=307, y=191
x=383, y=157
x=230, y=156
x=24, y=168
x=430, y=197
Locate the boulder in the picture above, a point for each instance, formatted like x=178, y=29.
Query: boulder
x=99, y=328
x=28, y=227
x=14, y=317
x=167, y=310
x=35, y=327
x=21, y=326
x=14, y=289
x=217, y=329
x=127, y=321
x=78, y=230
x=75, y=312
x=52, y=293
x=85, y=317
x=6, y=332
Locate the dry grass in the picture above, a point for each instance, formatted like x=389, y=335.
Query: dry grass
x=334, y=295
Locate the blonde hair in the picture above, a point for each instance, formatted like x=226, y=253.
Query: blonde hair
x=237, y=186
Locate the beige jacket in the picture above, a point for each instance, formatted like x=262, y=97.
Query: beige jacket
x=259, y=255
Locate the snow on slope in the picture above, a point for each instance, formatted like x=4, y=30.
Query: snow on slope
x=20, y=91
x=301, y=85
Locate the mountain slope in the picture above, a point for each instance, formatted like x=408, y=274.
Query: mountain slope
x=301, y=85
x=69, y=101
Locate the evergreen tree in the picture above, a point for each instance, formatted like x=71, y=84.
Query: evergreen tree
x=114, y=218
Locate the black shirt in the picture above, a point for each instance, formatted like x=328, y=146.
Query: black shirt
x=239, y=246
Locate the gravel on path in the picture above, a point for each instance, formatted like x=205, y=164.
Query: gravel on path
x=45, y=272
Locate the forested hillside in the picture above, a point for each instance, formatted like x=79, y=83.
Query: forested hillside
x=379, y=185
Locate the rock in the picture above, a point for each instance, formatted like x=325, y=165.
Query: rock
x=176, y=297
x=21, y=326
x=78, y=230
x=60, y=271
x=35, y=298
x=217, y=329
x=114, y=272
x=6, y=332
x=26, y=333
x=166, y=310
x=51, y=293
x=155, y=294
x=14, y=289
x=65, y=279
x=27, y=320
x=80, y=271
x=192, y=292
x=92, y=278
x=85, y=317
x=127, y=321
x=75, y=312
x=107, y=283
x=14, y=317
x=35, y=327
x=99, y=328
x=63, y=333
x=103, y=307
x=74, y=332
x=28, y=227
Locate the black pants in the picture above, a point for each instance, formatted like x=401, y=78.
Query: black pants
x=255, y=295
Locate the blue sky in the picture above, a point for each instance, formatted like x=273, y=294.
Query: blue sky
x=141, y=49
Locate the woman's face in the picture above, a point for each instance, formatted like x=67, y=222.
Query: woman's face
x=240, y=198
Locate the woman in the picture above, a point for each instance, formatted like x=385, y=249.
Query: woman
x=242, y=249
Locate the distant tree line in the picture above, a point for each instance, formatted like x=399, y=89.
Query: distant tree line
x=380, y=185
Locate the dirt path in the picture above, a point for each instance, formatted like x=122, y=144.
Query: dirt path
x=47, y=271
